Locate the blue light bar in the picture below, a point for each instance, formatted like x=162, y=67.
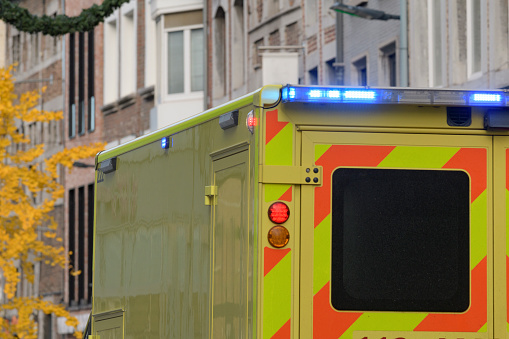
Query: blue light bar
x=362, y=95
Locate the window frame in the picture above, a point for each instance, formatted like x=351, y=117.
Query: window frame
x=187, y=93
x=459, y=300
x=384, y=74
x=356, y=68
x=111, y=74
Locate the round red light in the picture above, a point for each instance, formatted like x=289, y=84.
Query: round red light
x=279, y=212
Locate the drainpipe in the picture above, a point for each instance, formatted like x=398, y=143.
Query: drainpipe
x=403, y=44
x=339, y=64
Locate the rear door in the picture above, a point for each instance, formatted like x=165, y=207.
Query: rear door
x=230, y=303
x=400, y=230
x=501, y=236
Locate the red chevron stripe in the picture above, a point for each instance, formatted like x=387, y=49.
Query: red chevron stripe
x=287, y=196
x=473, y=319
x=472, y=160
x=328, y=323
x=272, y=125
x=271, y=257
x=343, y=155
x=284, y=332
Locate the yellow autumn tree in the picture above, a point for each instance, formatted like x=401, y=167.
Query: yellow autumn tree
x=24, y=175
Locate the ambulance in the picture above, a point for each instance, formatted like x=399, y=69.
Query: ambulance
x=309, y=212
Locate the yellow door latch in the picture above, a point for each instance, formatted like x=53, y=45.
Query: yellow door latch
x=210, y=193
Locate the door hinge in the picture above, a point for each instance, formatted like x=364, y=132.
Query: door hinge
x=210, y=193
x=295, y=175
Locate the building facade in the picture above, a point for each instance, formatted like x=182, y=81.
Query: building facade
x=155, y=62
x=109, y=96
x=39, y=64
x=175, y=45
x=458, y=44
x=252, y=43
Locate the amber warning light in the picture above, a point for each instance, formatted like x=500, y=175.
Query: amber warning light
x=278, y=236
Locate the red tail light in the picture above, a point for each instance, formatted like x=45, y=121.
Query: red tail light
x=279, y=212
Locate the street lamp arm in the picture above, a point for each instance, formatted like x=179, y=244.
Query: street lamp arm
x=362, y=12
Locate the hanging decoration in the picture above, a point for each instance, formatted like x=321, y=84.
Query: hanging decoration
x=24, y=21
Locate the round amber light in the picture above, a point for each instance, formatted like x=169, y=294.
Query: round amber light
x=278, y=236
x=279, y=212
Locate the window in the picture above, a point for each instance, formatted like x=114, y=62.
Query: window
x=185, y=74
x=150, y=47
x=184, y=53
x=219, y=58
x=473, y=37
x=34, y=45
x=360, y=72
x=313, y=76
x=435, y=43
x=400, y=240
x=81, y=83
x=238, y=44
x=72, y=247
x=16, y=45
x=81, y=244
x=275, y=38
x=128, y=51
x=330, y=72
x=81, y=226
x=388, y=65
x=90, y=239
x=72, y=88
x=110, y=61
x=257, y=59
x=120, y=53
x=91, y=81
x=292, y=34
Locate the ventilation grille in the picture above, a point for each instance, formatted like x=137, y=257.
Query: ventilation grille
x=459, y=116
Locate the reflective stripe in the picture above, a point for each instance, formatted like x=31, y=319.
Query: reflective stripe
x=328, y=323
x=277, y=280
x=277, y=296
x=277, y=192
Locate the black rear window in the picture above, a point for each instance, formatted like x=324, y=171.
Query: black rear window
x=400, y=240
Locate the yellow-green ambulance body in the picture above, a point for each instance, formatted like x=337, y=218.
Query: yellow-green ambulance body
x=309, y=212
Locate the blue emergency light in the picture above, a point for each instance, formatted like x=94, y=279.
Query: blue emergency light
x=165, y=143
x=311, y=94
x=486, y=97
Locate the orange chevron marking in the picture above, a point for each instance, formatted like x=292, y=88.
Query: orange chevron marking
x=470, y=321
x=271, y=257
x=287, y=196
x=284, y=332
x=343, y=155
x=272, y=125
x=472, y=160
x=327, y=323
